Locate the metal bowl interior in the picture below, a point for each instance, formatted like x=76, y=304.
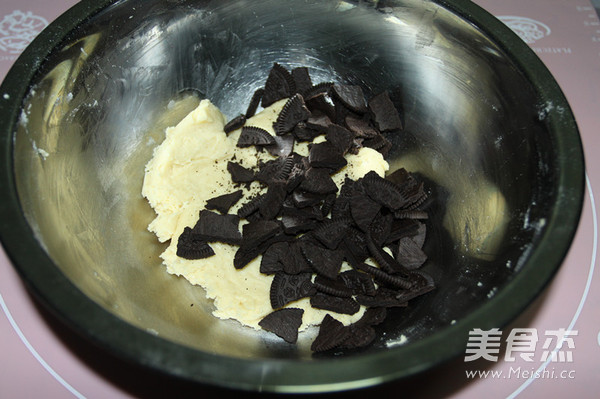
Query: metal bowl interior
x=486, y=126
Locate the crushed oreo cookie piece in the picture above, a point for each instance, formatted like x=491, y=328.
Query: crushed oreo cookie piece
x=190, y=246
x=320, y=90
x=259, y=231
x=302, y=79
x=294, y=262
x=363, y=210
x=324, y=262
x=342, y=305
x=253, y=135
x=331, y=232
x=302, y=132
x=235, y=124
x=326, y=155
x=215, y=227
x=286, y=288
x=283, y=146
x=351, y=96
x=272, y=259
x=318, y=121
x=384, y=191
x=279, y=85
x=318, y=181
x=409, y=254
x=359, y=337
x=251, y=206
x=361, y=127
x=384, y=297
x=335, y=287
x=224, y=202
x=373, y=316
x=360, y=283
x=293, y=112
x=270, y=207
x=385, y=114
x=340, y=137
x=254, y=103
x=332, y=333
x=284, y=323
x=239, y=174
x=378, y=143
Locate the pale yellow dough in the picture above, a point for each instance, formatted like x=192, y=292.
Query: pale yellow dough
x=189, y=168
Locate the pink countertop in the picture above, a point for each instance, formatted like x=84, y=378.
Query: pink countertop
x=41, y=358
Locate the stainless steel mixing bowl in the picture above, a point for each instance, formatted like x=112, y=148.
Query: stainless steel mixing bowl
x=82, y=109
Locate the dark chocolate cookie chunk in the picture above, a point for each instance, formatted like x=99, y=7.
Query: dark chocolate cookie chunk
x=190, y=246
x=254, y=135
x=380, y=228
x=332, y=333
x=331, y=232
x=403, y=228
x=360, y=336
x=302, y=79
x=323, y=261
x=384, y=112
x=248, y=252
x=373, y=316
x=363, y=210
x=270, y=207
x=351, y=96
x=282, y=147
x=304, y=199
x=318, y=121
x=320, y=90
x=379, y=143
x=409, y=254
x=274, y=170
x=341, y=206
x=224, y=202
x=239, y=174
x=382, y=277
x=235, y=124
x=385, y=261
x=340, y=137
x=423, y=283
x=335, y=287
x=360, y=283
x=326, y=155
x=286, y=288
x=384, y=191
x=254, y=103
x=251, y=206
x=293, y=261
x=419, y=237
x=384, y=297
x=213, y=227
x=361, y=127
x=302, y=132
x=318, y=181
x=293, y=112
x=355, y=245
x=336, y=304
x=279, y=85
x=259, y=231
x=272, y=259
x=284, y=323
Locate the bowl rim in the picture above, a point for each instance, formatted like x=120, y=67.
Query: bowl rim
x=106, y=330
